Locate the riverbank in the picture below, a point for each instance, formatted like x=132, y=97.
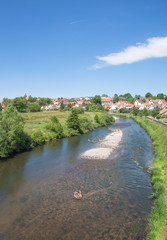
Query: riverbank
x=49, y=126
x=158, y=217
x=105, y=147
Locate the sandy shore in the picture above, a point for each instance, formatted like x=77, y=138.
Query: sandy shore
x=106, y=147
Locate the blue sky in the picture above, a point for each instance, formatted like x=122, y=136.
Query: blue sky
x=51, y=48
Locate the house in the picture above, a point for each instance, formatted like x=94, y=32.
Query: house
x=79, y=104
x=138, y=102
x=163, y=112
x=106, y=100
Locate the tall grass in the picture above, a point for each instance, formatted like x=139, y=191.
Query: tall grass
x=158, y=134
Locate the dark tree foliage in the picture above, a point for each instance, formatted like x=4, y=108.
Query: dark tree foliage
x=73, y=123
x=55, y=126
x=96, y=99
x=20, y=104
x=0, y=107
x=44, y=101
x=62, y=105
x=160, y=96
x=12, y=136
x=155, y=111
x=94, y=108
x=135, y=111
x=6, y=101
x=33, y=107
x=148, y=95
x=116, y=99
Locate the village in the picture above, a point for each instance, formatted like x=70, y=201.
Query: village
x=108, y=103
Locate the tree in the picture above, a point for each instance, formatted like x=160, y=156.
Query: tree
x=135, y=111
x=12, y=136
x=5, y=102
x=115, y=95
x=160, y=96
x=137, y=96
x=96, y=99
x=0, y=107
x=55, y=126
x=155, y=111
x=73, y=123
x=62, y=105
x=20, y=104
x=128, y=95
x=33, y=107
x=104, y=95
x=116, y=99
x=31, y=99
x=148, y=95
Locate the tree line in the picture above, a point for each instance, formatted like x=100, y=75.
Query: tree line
x=13, y=138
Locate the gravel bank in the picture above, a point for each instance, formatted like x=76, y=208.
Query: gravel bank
x=106, y=147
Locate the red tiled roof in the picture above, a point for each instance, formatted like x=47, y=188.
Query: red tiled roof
x=163, y=111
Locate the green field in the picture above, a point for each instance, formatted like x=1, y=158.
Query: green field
x=37, y=120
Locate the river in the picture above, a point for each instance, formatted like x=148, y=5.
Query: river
x=36, y=190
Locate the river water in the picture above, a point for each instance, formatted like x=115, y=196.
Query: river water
x=36, y=190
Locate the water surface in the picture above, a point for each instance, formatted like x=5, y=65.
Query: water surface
x=36, y=190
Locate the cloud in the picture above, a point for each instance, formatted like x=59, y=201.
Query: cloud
x=153, y=48
x=74, y=22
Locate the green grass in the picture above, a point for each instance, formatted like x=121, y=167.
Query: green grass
x=158, y=134
x=38, y=120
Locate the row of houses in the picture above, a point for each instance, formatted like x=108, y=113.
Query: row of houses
x=142, y=103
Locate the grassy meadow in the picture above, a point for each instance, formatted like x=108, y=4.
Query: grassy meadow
x=38, y=120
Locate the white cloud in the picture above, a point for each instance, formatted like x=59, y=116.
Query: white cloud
x=153, y=48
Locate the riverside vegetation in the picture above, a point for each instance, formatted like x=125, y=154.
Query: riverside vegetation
x=20, y=131
x=158, y=217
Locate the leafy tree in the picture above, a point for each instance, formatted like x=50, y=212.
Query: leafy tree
x=128, y=95
x=115, y=95
x=73, y=123
x=62, y=105
x=37, y=138
x=123, y=110
x=96, y=118
x=86, y=124
x=44, y=101
x=155, y=111
x=31, y=99
x=94, y=108
x=148, y=95
x=96, y=99
x=5, y=102
x=116, y=99
x=160, y=96
x=104, y=95
x=33, y=106
x=137, y=96
x=12, y=136
x=0, y=107
x=55, y=126
x=135, y=111
x=20, y=104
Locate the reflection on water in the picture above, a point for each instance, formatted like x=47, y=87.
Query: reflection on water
x=36, y=190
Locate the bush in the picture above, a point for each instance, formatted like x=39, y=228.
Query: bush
x=37, y=138
x=55, y=126
x=86, y=124
x=73, y=123
x=12, y=135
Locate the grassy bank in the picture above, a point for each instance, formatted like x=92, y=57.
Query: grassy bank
x=38, y=121
x=158, y=134
x=158, y=216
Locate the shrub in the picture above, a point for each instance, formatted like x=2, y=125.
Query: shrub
x=37, y=138
x=55, y=126
x=12, y=135
x=73, y=123
x=86, y=124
